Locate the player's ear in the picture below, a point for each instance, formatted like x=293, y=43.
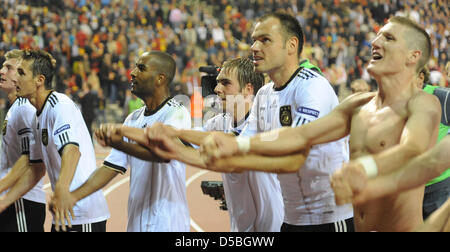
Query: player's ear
x=161, y=80
x=248, y=89
x=39, y=80
x=292, y=44
x=414, y=56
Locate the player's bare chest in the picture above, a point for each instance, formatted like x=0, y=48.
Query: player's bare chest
x=373, y=131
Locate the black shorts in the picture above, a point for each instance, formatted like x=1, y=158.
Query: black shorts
x=89, y=227
x=339, y=226
x=23, y=216
x=435, y=196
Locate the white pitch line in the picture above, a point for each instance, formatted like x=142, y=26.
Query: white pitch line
x=195, y=176
x=125, y=180
x=188, y=182
x=117, y=184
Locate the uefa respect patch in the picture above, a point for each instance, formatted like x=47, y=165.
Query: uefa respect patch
x=62, y=129
x=308, y=111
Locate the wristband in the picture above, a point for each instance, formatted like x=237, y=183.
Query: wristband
x=369, y=166
x=243, y=144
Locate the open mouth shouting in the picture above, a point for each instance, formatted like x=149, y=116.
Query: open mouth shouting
x=376, y=56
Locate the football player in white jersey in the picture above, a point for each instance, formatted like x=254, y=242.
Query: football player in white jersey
x=157, y=200
x=28, y=213
x=253, y=199
x=387, y=129
x=62, y=143
x=296, y=96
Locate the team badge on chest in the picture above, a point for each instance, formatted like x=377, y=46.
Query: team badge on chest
x=285, y=115
x=45, y=137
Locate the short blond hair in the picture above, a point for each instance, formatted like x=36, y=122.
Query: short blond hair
x=418, y=39
x=14, y=54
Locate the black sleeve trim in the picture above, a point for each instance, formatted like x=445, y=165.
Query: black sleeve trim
x=36, y=161
x=115, y=167
x=62, y=147
x=187, y=144
x=24, y=131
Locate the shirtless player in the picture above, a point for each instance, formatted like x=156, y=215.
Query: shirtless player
x=397, y=124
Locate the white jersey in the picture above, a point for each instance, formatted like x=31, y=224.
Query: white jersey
x=58, y=124
x=308, y=197
x=17, y=135
x=157, y=201
x=253, y=198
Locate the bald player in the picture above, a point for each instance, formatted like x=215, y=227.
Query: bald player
x=157, y=200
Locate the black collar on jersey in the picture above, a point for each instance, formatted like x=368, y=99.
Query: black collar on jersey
x=149, y=113
x=310, y=66
x=236, y=124
x=38, y=113
x=289, y=81
x=18, y=99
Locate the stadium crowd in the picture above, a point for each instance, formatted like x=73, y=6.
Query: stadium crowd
x=98, y=47
x=96, y=42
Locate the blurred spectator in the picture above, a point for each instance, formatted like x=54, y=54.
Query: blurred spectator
x=424, y=78
x=437, y=78
x=447, y=70
x=132, y=103
x=89, y=104
x=104, y=34
x=360, y=85
x=100, y=112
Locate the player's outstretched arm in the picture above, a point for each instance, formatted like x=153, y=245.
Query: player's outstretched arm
x=61, y=205
x=164, y=141
x=415, y=173
x=25, y=183
x=159, y=130
x=99, y=179
x=173, y=148
x=289, y=140
x=326, y=129
x=112, y=135
x=17, y=171
x=252, y=162
x=417, y=135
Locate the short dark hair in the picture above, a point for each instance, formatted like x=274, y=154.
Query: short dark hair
x=290, y=25
x=419, y=40
x=43, y=64
x=245, y=71
x=165, y=64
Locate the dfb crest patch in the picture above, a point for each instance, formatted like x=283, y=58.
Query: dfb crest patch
x=45, y=137
x=5, y=124
x=285, y=115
